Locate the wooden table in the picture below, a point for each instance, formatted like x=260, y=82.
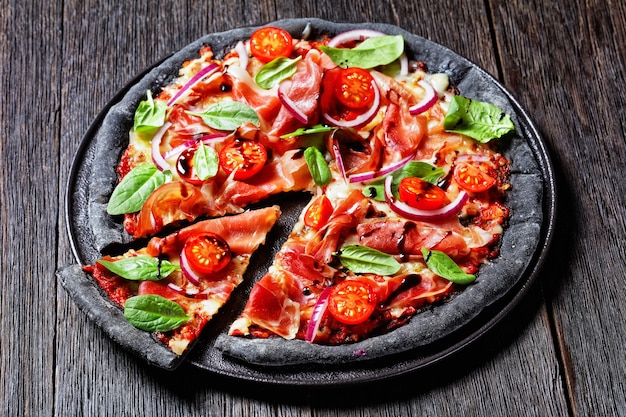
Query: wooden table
x=562, y=351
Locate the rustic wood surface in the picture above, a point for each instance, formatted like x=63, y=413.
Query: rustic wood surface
x=562, y=351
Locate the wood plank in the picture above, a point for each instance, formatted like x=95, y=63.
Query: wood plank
x=29, y=146
x=103, y=45
x=574, y=59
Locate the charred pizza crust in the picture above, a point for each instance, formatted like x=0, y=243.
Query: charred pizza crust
x=94, y=232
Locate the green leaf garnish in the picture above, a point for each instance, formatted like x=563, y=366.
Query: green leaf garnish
x=130, y=194
x=150, y=115
x=363, y=260
x=372, y=52
x=318, y=167
x=478, y=120
x=140, y=268
x=442, y=265
x=228, y=115
x=205, y=162
x=308, y=131
x=154, y=313
x=272, y=73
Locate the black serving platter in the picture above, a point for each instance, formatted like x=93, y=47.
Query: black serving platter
x=431, y=336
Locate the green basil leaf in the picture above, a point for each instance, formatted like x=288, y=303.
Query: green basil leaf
x=372, y=52
x=362, y=260
x=150, y=115
x=317, y=166
x=205, y=162
x=154, y=313
x=308, y=131
x=442, y=265
x=140, y=268
x=130, y=194
x=228, y=115
x=478, y=120
x=272, y=73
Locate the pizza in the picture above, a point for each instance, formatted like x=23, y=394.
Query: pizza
x=406, y=188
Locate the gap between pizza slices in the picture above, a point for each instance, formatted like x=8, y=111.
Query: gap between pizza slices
x=407, y=191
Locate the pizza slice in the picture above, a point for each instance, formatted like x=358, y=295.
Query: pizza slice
x=177, y=283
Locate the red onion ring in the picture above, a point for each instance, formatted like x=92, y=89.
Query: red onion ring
x=189, y=273
x=157, y=158
x=363, y=118
x=339, y=158
x=195, y=79
x=429, y=99
x=180, y=148
x=353, y=35
x=181, y=291
x=289, y=104
x=409, y=212
x=316, y=316
x=370, y=175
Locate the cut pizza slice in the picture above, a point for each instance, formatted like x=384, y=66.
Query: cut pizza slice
x=177, y=283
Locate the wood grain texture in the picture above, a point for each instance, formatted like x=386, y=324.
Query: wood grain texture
x=561, y=351
x=575, y=56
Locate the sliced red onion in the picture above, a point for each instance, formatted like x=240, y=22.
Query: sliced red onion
x=409, y=212
x=174, y=152
x=241, y=50
x=157, y=158
x=188, y=271
x=363, y=118
x=193, y=81
x=339, y=158
x=353, y=35
x=429, y=99
x=370, y=175
x=316, y=316
x=181, y=291
x=404, y=65
x=289, y=104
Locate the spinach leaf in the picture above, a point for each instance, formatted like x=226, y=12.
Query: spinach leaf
x=154, y=313
x=205, y=161
x=130, y=194
x=362, y=259
x=372, y=52
x=228, y=115
x=442, y=265
x=141, y=267
x=476, y=119
x=317, y=166
x=150, y=115
x=272, y=73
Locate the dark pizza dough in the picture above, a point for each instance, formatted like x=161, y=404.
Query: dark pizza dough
x=94, y=232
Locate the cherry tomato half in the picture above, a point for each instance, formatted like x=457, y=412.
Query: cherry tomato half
x=185, y=167
x=269, y=43
x=245, y=156
x=351, y=301
x=318, y=213
x=207, y=253
x=355, y=88
x=421, y=194
x=471, y=178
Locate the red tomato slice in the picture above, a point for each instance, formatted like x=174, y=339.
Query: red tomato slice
x=352, y=302
x=318, y=213
x=245, y=156
x=471, y=178
x=354, y=88
x=269, y=43
x=207, y=253
x=421, y=194
x=185, y=168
